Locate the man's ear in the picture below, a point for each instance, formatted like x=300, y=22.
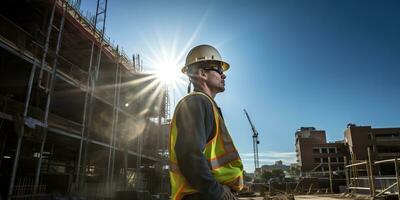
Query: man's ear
x=202, y=73
x=198, y=76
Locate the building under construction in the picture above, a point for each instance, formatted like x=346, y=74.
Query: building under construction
x=78, y=118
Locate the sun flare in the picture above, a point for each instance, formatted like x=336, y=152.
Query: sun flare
x=165, y=59
x=167, y=71
x=166, y=65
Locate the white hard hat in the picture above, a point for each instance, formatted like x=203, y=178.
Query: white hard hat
x=204, y=53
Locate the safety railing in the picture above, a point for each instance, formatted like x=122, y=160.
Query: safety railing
x=376, y=185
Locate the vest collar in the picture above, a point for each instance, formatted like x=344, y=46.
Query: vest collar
x=215, y=103
x=195, y=90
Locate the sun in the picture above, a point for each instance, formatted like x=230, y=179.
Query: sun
x=165, y=57
x=166, y=65
x=167, y=72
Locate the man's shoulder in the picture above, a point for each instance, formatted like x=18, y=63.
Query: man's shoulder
x=195, y=99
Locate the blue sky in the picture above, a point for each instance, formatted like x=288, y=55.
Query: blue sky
x=293, y=63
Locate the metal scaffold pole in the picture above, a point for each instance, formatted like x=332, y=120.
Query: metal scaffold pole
x=21, y=130
x=88, y=111
x=89, y=95
x=46, y=46
x=138, y=175
x=396, y=170
x=89, y=88
x=49, y=95
x=162, y=147
x=27, y=101
x=114, y=127
x=19, y=127
x=116, y=118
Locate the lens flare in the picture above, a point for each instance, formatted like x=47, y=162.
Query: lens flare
x=167, y=71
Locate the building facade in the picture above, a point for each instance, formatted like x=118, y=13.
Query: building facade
x=314, y=154
x=278, y=165
x=384, y=143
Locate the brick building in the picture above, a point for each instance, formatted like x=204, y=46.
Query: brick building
x=313, y=152
x=383, y=142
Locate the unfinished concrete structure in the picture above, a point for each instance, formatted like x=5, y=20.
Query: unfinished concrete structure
x=77, y=117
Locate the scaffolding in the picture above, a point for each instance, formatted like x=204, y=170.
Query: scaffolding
x=328, y=176
x=374, y=182
x=73, y=106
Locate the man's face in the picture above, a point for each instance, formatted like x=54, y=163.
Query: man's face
x=215, y=79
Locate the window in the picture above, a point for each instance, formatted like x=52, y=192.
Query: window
x=388, y=149
x=325, y=160
x=324, y=150
x=333, y=160
x=315, y=150
x=332, y=150
x=317, y=160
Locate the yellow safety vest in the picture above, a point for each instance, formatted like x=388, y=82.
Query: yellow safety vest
x=220, y=152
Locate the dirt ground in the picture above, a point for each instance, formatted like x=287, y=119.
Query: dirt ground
x=308, y=197
x=300, y=197
x=314, y=197
x=251, y=198
x=331, y=197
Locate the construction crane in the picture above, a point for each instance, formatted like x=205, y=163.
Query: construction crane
x=255, y=141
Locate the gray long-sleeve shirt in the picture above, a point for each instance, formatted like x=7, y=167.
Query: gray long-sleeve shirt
x=196, y=126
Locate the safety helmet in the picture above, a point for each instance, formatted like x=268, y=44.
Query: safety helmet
x=204, y=53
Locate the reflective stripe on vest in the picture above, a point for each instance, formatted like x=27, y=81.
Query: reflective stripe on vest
x=213, y=163
x=220, y=152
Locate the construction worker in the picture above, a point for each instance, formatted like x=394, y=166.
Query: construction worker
x=204, y=163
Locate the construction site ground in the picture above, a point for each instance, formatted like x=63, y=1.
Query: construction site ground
x=305, y=197
x=326, y=197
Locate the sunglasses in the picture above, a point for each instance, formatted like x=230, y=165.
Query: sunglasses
x=219, y=70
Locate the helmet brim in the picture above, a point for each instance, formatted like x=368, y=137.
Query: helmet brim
x=225, y=66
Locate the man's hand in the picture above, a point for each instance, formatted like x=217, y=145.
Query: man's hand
x=228, y=195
